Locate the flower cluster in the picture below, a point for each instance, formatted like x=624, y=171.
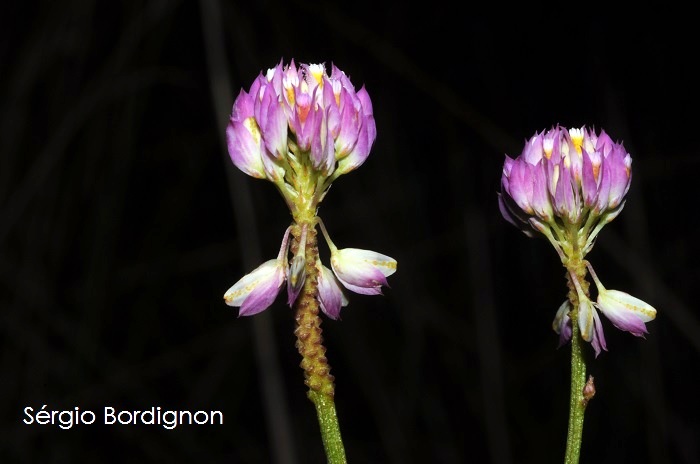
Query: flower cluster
x=567, y=185
x=361, y=271
x=301, y=129
x=622, y=309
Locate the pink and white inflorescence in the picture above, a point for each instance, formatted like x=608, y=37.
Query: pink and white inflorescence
x=567, y=184
x=301, y=129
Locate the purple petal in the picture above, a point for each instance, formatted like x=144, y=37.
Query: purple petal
x=244, y=147
x=507, y=166
x=588, y=181
x=361, y=290
x=262, y=296
x=320, y=148
x=303, y=120
x=532, y=153
x=625, y=311
x=520, y=184
x=604, y=187
x=564, y=198
x=365, y=101
x=362, y=268
x=328, y=155
x=330, y=295
x=598, y=341
x=362, y=147
x=361, y=275
x=275, y=129
x=255, y=291
x=255, y=87
x=541, y=202
x=619, y=176
x=604, y=145
x=242, y=107
x=332, y=108
x=349, y=129
x=368, y=114
x=562, y=323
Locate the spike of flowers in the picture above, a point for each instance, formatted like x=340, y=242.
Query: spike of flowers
x=301, y=129
x=566, y=185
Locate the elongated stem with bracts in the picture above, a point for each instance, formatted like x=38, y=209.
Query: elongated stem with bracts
x=317, y=374
x=577, y=402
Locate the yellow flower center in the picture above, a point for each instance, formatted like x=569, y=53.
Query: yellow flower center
x=576, y=138
x=547, y=147
x=317, y=71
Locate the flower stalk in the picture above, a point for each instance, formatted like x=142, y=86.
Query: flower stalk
x=301, y=129
x=577, y=401
x=566, y=185
x=317, y=372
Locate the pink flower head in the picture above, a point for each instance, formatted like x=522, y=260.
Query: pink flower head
x=325, y=118
x=566, y=176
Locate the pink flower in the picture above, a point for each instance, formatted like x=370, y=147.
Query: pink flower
x=623, y=310
x=360, y=271
x=257, y=290
x=330, y=123
x=330, y=295
x=569, y=175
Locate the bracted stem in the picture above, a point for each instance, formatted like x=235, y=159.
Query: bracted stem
x=317, y=374
x=578, y=400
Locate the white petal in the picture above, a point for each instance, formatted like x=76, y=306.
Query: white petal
x=615, y=300
x=585, y=319
x=239, y=291
x=385, y=264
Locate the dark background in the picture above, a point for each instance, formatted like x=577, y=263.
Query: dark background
x=123, y=222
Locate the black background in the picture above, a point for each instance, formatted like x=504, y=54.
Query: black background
x=123, y=222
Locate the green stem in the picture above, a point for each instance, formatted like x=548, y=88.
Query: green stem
x=577, y=403
x=578, y=285
x=317, y=374
x=330, y=430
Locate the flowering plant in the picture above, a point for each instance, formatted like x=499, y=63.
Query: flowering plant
x=566, y=185
x=301, y=129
